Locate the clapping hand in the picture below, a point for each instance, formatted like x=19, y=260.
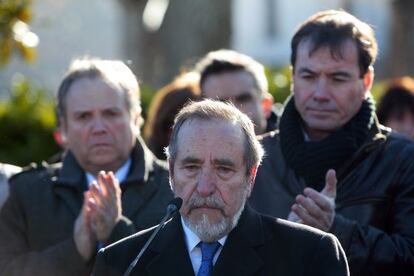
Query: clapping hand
x=316, y=209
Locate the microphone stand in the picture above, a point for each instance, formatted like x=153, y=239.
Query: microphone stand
x=171, y=209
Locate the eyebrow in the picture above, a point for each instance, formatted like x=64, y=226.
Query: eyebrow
x=243, y=96
x=80, y=112
x=190, y=159
x=341, y=74
x=334, y=74
x=305, y=70
x=110, y=108
x=222, y=161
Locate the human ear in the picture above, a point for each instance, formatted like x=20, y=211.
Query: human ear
x=252, y=178
x=267, y=103
x=60, y=133
x=368, y=80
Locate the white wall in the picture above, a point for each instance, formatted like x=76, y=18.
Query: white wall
x=68, y=29
x=249, y=21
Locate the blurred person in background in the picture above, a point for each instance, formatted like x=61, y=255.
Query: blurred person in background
x=227, y=75
x=108, y=186
x=6, y=171
x=163, y=108
x=396, y=106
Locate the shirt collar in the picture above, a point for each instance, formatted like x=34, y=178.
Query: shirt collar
x=192, y=240
x=306, y=137
x=121, y=174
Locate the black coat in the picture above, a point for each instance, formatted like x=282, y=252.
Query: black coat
x=37, y=220
x=259, y=245
x=374, y=205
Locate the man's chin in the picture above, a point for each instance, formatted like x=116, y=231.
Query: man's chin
x=103, y=161
x=101, y=150
x=207, y=227
x=327, y=125
x=210, y=213
x=213, y=216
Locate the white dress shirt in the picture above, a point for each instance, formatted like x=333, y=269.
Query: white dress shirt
x=192, y=240
x=120, y=174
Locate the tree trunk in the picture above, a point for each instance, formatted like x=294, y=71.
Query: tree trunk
x=189, y=30
x=401, y=54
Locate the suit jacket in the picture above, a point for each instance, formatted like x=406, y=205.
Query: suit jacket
x=258, y=245
x=37, y=221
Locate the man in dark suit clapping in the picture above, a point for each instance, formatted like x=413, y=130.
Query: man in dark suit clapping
x=108, y=185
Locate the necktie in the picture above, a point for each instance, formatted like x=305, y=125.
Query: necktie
x=208, y=250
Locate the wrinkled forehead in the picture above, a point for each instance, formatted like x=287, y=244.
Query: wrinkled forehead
x=211, y=132
x=209, y=152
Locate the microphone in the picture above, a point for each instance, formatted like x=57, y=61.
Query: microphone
x=172, y=208
x=174, y=205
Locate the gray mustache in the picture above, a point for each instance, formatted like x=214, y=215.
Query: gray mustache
x=211, y=202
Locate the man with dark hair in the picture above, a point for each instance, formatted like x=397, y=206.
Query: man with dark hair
x=108, y=186
x=213, y=157
x=227, y=75
x=333, y=166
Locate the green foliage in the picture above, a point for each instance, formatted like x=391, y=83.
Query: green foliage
x=27, y=122
x=378, y=90
x=147, y=93
x=15, y=34
x=279, y=82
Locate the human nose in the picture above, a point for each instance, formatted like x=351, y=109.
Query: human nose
x=321, y=92
x=98, y=126
x=206, y=184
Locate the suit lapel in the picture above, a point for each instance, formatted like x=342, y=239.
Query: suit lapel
x=172, y=252
x=139, y=185
x=137, y=188
x=70, y=184
x=239, y=255
x=134, y=196
x=70, y=198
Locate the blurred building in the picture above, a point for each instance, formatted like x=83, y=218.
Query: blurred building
x=160, y=37
x=264, y=28
x=67, y=29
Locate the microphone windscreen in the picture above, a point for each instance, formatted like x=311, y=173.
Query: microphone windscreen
x=175, y=204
